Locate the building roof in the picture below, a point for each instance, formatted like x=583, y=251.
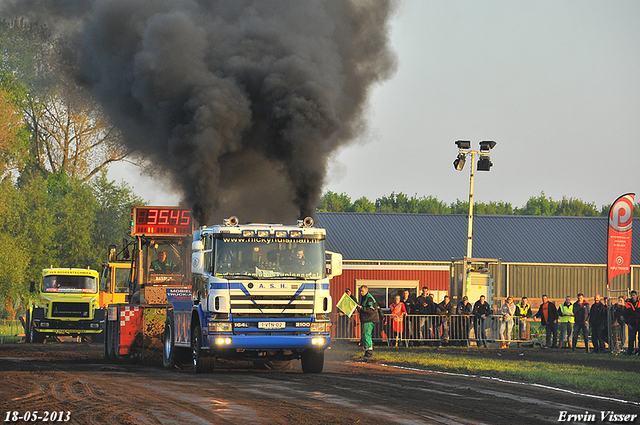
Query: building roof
x=440, y=237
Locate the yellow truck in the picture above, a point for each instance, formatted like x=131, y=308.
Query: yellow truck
x=68, y=304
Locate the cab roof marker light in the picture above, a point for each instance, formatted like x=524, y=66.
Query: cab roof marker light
x=281, y=234
x=248, y=233
x=264, y=233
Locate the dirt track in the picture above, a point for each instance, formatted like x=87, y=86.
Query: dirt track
x=74, y=377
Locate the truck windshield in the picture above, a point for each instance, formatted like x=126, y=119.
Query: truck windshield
x=164, y=261
x=257, y=258
x=70, y=284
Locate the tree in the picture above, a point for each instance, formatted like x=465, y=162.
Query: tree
x=69, y=131
x=538, y=206
x=13, y=250
x=332, y=202
x=113, y=211
x=363, y=205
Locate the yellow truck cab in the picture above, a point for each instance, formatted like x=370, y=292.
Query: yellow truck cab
x=114, y=283
x=67, y=305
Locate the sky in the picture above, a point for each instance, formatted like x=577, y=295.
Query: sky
x=556, y=84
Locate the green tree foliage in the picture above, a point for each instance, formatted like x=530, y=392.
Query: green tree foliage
x=332, y=202
x=53, y=220
x=113, y=211
x=362, y=205
x=402, y=203
x=542, y=205
x=68, y=130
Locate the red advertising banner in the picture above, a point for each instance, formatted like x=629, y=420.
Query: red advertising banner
x=619, y=241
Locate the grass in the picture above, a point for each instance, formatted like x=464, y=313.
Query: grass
x=614, y=375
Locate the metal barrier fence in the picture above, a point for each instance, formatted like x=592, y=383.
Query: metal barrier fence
x=461, y=330
x=11, y=329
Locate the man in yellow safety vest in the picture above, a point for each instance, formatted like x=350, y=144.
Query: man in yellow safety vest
x=566, y=322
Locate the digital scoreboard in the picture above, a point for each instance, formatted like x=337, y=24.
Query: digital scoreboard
x=161, y=221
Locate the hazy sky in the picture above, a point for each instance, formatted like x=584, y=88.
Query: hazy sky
x=555, y=83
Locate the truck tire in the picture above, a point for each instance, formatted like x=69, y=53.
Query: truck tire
x=34, y=336
x=27, y=328
x=201, y=362
x=172, y=355
x=107, y=355
x=312, y=361
x=98, y=338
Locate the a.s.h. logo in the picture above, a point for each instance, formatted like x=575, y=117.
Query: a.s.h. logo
x=621, y=217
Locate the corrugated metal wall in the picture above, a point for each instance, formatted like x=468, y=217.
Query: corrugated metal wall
x=557, y=281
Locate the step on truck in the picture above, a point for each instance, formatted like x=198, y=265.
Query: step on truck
x=260, y=293
x=159, y=261
x=67, y=305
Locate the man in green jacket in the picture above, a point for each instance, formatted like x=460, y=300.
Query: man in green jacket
x=368, y=318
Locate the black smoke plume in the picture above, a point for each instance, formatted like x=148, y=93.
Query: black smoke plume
x=240, y=103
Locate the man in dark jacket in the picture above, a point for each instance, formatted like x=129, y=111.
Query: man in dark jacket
x=581, y=311
x=548, y=315
x=425, y=308
x=632, y=318
x=410, y=304
x=462, y=319
x=481, y=310
x=619, y=326
x=445, y=310
x=368, y=317
x=597, y=317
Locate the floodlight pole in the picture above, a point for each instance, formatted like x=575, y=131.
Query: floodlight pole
x=470, y=226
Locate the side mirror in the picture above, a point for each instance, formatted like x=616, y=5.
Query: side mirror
x=335, y=263
x=32, y=286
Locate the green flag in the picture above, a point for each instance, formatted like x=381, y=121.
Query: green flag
x=346, y=304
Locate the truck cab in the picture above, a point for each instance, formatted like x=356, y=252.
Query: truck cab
x=114, y=283
x=68, y=304
x=260, y=293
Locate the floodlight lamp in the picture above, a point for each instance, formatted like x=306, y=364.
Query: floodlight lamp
x=484, y=163
x=486, y=146
x=458, y=164
x=463, y=144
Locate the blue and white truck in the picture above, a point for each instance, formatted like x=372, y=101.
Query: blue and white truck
x=260, y=292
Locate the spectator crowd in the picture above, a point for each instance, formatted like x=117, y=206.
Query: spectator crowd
x=422, y=320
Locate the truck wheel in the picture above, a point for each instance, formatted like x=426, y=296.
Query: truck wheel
x=107, y=329
x=27, y=328
x=201, y=362
x=172, y=355
x=35, y=336
x=312, y=361
x=98, y=338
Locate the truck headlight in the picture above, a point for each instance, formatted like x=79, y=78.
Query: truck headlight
x=317, y=341
x=44, y=324
x=320, y=327
x=220, y=327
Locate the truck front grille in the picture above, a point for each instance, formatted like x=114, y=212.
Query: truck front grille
x=72, y=310
x=271, y=306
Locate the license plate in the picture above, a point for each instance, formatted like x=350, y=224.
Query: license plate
x=271, y=325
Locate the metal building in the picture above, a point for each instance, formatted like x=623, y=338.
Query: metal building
x=558, y=256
